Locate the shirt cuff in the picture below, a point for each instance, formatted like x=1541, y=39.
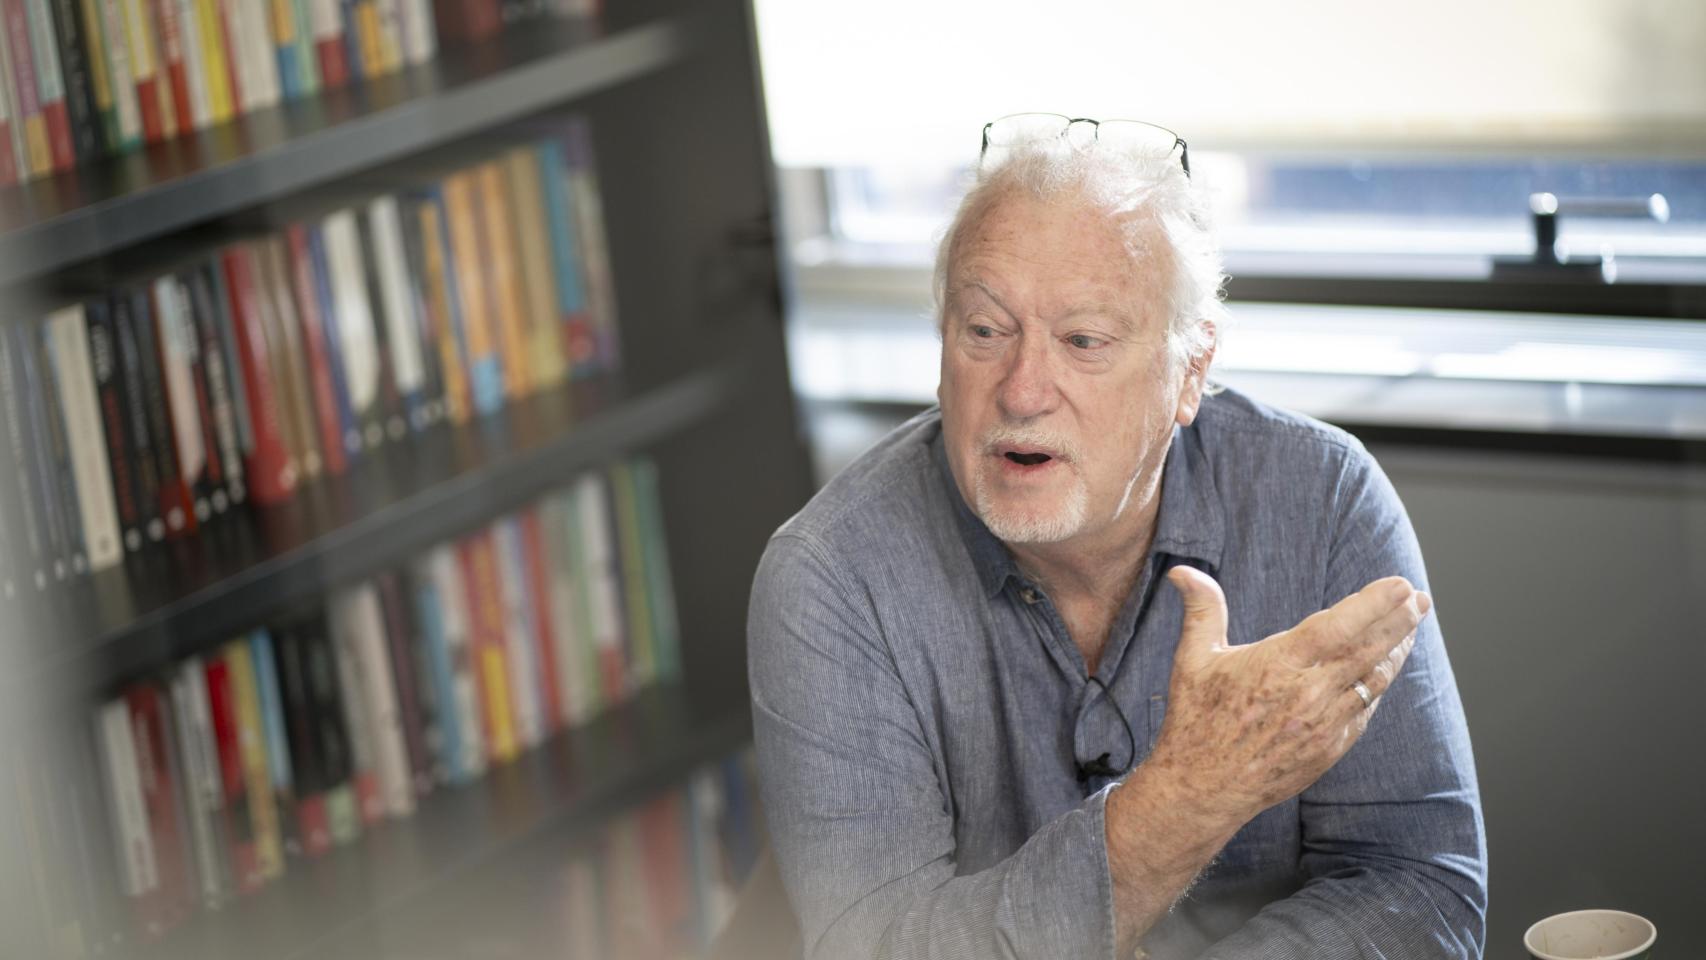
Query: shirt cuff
x=1060, y=899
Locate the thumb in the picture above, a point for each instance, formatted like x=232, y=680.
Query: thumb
x=1205, y=611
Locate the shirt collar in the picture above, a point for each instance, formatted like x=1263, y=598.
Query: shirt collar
x=1189, y=526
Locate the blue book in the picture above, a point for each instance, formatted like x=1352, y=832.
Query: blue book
x=430, y=615
x=272, y=710
x=348, y=428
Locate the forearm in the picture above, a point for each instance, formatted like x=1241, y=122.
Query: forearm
x=1380, y=910
x=1157, y=845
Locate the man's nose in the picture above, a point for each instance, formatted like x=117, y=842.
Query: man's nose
x=1028, y=389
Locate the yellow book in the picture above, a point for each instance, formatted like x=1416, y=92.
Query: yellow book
x=35, y=146
x=533, y=262
x=252, y=748
x=506, y=292
x=213, y=59
x=440, y=308
x=485, y=375
x=494, y=668
x=367, y=34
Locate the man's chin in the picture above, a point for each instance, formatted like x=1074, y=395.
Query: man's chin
x=1018, y=525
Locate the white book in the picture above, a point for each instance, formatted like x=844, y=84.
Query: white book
x=341, y=621
x=453, y=606
x=565, y=610
x=356, y=337
x=420, y=35
x=366, y=619
x=68, y=339
x=521, y=647
x=202, y=791
x=120, y=80
x=139, y=872
x=178, y=349
x=325, y=23
x=263, y=54
x=598, y=558
x=402, y=326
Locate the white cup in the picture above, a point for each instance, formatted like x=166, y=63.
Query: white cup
x=1591, y=935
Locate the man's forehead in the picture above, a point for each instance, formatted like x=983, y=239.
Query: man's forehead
x=1066, y=301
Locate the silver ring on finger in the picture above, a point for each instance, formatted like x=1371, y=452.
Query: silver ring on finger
x=1361, y=690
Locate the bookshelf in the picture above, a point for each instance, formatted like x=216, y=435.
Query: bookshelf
x=669, y=89
x=271, y=153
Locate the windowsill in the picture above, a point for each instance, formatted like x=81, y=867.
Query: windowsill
x=1489, y=371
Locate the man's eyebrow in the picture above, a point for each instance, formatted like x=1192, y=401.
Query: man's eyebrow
x=1115, y=310
x=980, y=287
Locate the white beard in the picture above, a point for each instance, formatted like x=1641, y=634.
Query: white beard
x=1015, y=526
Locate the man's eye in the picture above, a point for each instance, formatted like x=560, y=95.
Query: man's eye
x=1084, y=341
x=982, y=332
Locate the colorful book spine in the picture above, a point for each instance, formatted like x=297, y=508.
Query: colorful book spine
x=402, y=327
x=328, y=36
x=332, y=737
x=314, y=342
x=600, y=566
x=270, y=702
x=38, y=155
x=176, y=889
x=214, y=330
x=345, y=626
x=485, y=370
x=34, y=552
x=69, y=335
x=175, y=501
x=358, y=340
x=660, y=587
x=270, y=468
x=311, y=831
x=284, y=325
x=532, y=246
x=115, y=43
x=142, y=453
x=9, y=165
x=413, y=715
x=126, y=814
x=152, y=99
x=50, y=84
x=447, y=574
x=589, y=213
x=252, y=753
x=174, y=65
x=201, y=786
x=439, y=671
x=579, y=341
x=210, y=24
x=348, y=427
x=631, y=556
x=178, y=350
x=520, y=640
x=78, y=71
x=190, y=43
x=44, y=450
x=485, y=613
x=505, y=280
x=566, y=611
x=444, y=305
x=535, y=562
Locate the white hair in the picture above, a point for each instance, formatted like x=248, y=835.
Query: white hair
x=1144, y=196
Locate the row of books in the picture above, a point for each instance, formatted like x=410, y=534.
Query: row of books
x=85, y=79
x=140, y=413
x=302, y=734
x=661, y=882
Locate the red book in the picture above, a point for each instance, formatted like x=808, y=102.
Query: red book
x=176, y=893
x=461, y=21
x=8, y=161
x=539, y=595
x=172, y=61
x=271, y=470
x=314, y=340
x=222, y=7
x=334, y=61
x=245, y=855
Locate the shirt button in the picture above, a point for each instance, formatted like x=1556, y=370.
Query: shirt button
x=1030, y=595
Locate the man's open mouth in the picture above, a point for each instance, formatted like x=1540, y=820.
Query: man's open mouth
x=1028, y=459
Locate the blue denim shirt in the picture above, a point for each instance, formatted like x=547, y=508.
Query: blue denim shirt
x=920, y=712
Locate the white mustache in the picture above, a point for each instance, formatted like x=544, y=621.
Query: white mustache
x=1059, y=446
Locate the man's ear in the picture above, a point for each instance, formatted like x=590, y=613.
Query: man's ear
x=1195, y=378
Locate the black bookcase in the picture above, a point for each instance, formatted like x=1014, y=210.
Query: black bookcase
x=672, y=94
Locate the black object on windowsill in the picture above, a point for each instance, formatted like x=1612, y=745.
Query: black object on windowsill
x=1553, y=264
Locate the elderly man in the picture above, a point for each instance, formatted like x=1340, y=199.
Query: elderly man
x=984, y=726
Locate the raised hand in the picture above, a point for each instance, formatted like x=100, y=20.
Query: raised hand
x=1249, y=726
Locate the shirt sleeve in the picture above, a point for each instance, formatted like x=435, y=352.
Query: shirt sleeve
x=1394, y=850
x=862, y=827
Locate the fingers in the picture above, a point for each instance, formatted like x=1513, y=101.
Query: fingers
x=1204, y=626
x=1375, y=617
x=1362, y=654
